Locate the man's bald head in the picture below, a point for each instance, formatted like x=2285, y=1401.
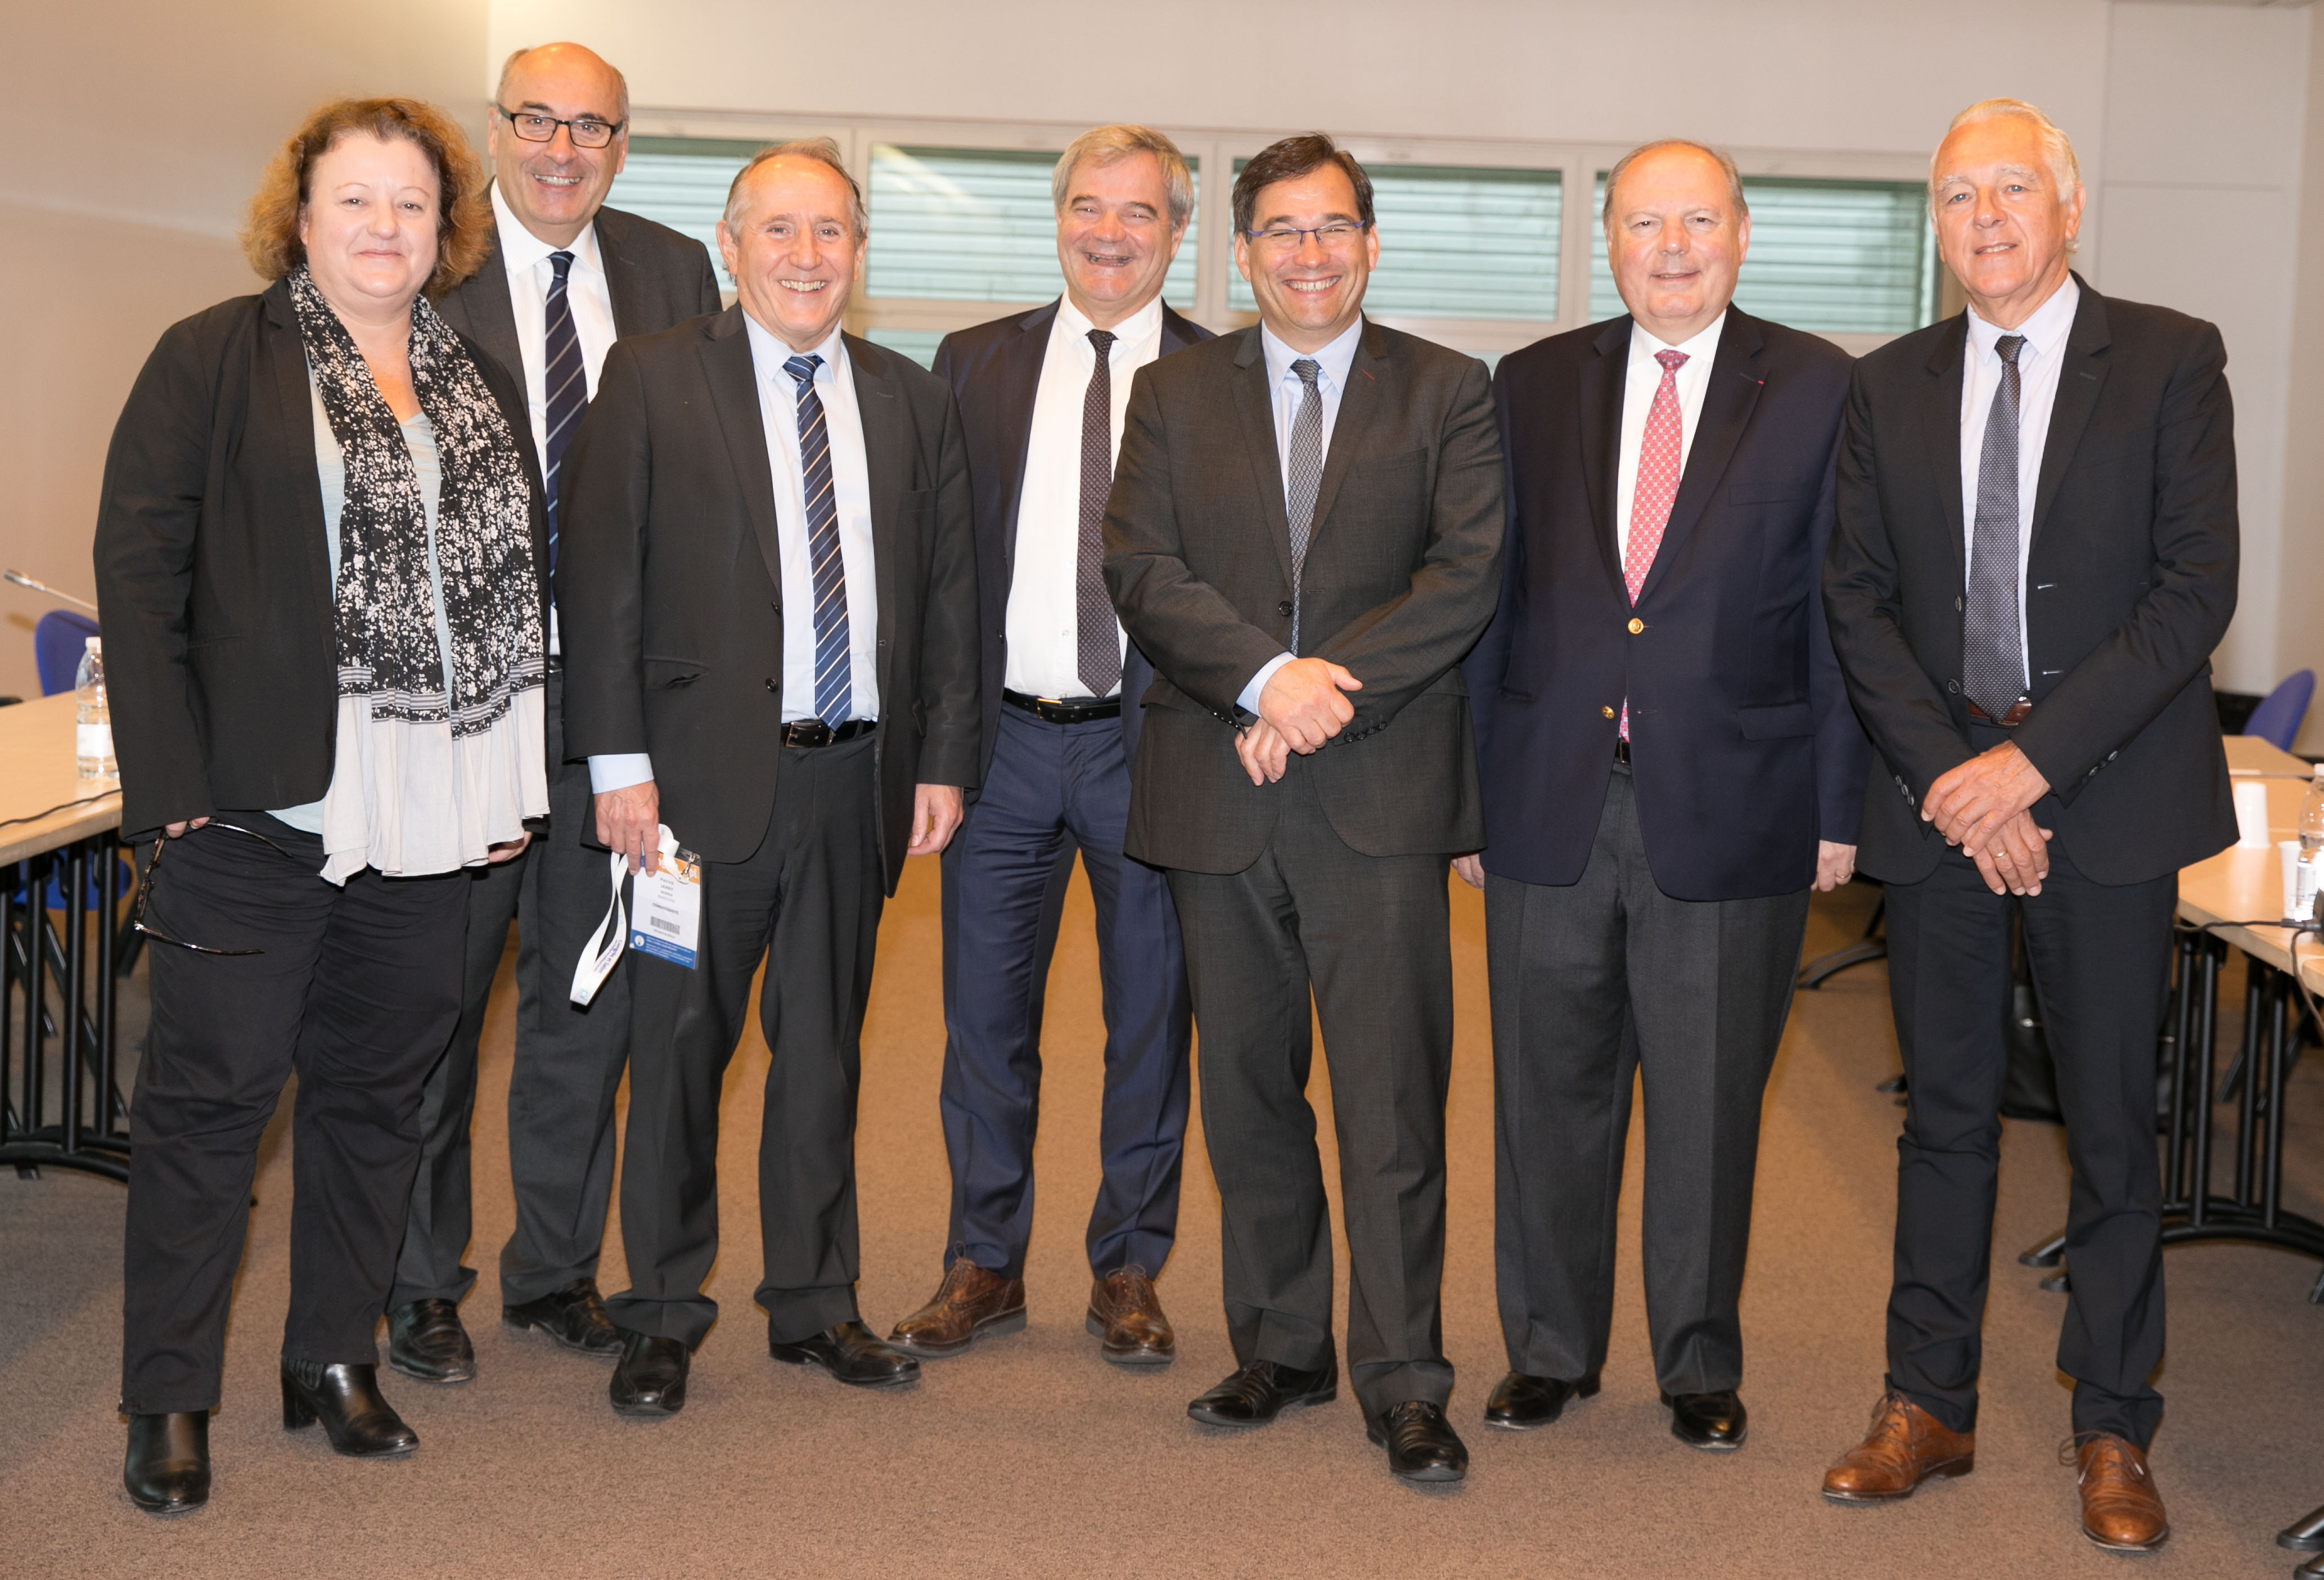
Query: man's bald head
x=555, y=187
x=559, y=58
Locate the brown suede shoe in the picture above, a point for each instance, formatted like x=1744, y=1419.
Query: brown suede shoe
x=1126, y=1315
x=2121, y=1511
x=1905, y=1448
x=969, y=1304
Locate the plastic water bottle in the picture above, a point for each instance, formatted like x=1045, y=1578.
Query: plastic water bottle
x=93, y=720
x=2311, y=847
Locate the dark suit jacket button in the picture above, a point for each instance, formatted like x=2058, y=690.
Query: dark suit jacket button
x=1959, y=606
x=1953, y=686
x=1283, y=608
x=773, y=686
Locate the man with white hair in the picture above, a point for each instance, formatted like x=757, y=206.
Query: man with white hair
x=2036, y=555
x=1041, y=399
x=770, y=600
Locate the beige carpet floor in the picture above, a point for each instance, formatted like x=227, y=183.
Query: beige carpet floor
x=1031, y=1457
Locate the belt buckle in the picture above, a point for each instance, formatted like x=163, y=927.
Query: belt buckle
x=806, y=732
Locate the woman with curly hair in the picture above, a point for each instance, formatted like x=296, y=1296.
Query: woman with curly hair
x=320, y=562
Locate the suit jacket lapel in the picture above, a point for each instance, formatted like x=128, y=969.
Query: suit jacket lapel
x=1602, y=378
x=624, y=282
x=725, y=353
x=1357, y=403
x=295, y=401
x=1255, y=414
x=1940, y=429
x=2082, y=378
x=1728, y=398
x=1018, y=369
x=887, y=458
x=491, y=320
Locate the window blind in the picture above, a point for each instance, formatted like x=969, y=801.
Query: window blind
x=1458, y=242
x=1830, y=256
x=681, y=182
x=976, y=224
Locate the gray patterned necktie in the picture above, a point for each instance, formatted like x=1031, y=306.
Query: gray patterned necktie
x=1306, y=475
x=1098, y=640
x=1993, y=653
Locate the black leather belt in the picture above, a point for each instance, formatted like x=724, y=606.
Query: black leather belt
x=1621, y=751
x=2007, y=721
x=1064, y=710
x=814, y=732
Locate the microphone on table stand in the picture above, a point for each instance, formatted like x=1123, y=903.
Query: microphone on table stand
x=22, y=580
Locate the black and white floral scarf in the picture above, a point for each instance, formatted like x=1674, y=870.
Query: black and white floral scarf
x=430, y=769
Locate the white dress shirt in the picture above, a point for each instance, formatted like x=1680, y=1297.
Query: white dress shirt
x=526, y=258
x=1333, y=363
x=1640, y=382
x=851, y=473
x=1044, y=623
x=2039, y=361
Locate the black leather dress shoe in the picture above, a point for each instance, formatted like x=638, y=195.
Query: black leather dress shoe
x=850, y=1354
x=1262, y=1391
x=425, y=1340
x=650, y=1379
x=574, y=1315
x=1521, y=1402
x=167, y=1469
x=1421, y=1443
x=1715, y=1421
x=347, y=1401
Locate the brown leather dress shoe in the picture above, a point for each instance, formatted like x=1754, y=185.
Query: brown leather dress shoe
x=1125, y=1314
x=2121, y=1511
x=1905, y=1446
x=969, y=1304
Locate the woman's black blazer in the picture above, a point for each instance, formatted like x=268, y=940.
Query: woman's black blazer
x=213, y=579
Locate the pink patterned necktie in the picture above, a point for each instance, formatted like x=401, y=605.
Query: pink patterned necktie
x=1657, y=486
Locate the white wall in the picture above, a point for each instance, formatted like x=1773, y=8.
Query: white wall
x=139, y=129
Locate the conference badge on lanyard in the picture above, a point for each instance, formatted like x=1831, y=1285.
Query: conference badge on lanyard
x=668, y=905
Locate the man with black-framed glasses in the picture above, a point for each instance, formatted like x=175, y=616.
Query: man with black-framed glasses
x=566, y=276
x=1304, y=535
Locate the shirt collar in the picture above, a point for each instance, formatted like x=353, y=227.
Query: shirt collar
x=767, y=356
x=1144, y=325
x=522, y=250
x=1334, y=359
x=2045, y=331
x=1703, y=345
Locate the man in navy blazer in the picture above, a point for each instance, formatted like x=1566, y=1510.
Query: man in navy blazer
x=1668, y=761
x=1041, y=395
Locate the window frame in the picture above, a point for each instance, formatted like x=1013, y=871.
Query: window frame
x=1218, y=150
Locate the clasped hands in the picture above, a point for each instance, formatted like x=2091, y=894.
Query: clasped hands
x=1984, y=807
x=1300, y=708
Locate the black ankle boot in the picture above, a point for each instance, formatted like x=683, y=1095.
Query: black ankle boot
x=168, y=1467
x=347, y=1401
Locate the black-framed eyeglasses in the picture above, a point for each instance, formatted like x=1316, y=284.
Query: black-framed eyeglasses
x=146, y=892
x=1285, y=239
x=586, y=131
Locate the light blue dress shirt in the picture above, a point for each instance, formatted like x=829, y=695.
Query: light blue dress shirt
x=851, y=478
x=1331, y=364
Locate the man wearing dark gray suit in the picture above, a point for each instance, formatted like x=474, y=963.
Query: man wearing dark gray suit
x=770, y=588
x=566, y=277
x=1041, y=395
x=1303, y=536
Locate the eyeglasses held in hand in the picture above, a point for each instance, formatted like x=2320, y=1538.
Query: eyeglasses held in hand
x=145, y=890
x=1331, y=237
x=586, y=131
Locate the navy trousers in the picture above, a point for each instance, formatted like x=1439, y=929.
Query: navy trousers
x=1053, y=789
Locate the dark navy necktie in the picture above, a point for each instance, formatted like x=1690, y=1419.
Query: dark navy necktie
x=1993, y=654
x=1099, y=642
x=833, y=673
x=567, y=384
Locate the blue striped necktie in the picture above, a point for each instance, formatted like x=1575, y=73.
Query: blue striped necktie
x=568, y=386
x=832, y=671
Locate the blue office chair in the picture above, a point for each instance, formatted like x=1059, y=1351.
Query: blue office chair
x=2278, y=717
x=63, y=636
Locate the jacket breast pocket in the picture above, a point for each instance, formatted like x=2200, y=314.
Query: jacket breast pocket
x=1777, y=722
